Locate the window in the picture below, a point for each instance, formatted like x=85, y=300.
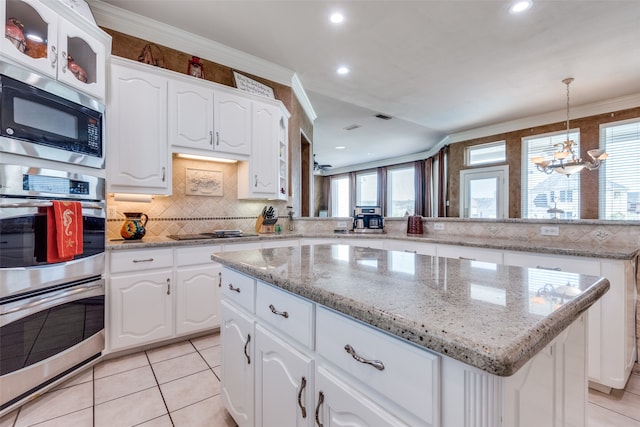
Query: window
x=367, y=189
x=485, y=154
x=401, y=194
x=483, y=192
x=620, y=172
x=340, y=197
x=548, y=196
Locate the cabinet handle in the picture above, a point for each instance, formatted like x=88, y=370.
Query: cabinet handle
x=320, y=402
x=210, y=137
x=375, y=363
x=164, y=173
x=303, y=385
x=541, y=267
x=410, y=251
x=168, y=286
x=279, y=313
x=219, y=280
x=246, y=345
x=143, y=260
x=232, y=288
x=54, y=56
x=64, y=61
x=467, y=259
x=217, y=138
x=255, y=182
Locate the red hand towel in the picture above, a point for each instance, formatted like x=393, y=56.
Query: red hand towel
x=64, y=231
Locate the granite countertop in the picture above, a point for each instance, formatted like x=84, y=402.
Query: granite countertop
x=490, y=316
x=560, y=248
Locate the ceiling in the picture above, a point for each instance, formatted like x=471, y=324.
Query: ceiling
x=436, y=67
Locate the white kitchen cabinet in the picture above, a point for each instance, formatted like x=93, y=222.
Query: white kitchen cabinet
x=340, y=404
x=283, y=382
x=237, y=359
x=190, y=112
x=410, y=246
x=197, y=298
x=469, y=253
x=66, y=34
x=612, y=342
x=264, y=175
x=137, y=151
x=140, y=300
x=232, y=123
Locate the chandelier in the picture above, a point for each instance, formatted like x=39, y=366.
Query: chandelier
x=565, y=161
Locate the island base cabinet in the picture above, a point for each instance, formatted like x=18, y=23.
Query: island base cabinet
x=549, y=390
x=284, y=383
x=339, y=404
x=237, y=360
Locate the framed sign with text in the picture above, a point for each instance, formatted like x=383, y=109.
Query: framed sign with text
x=251, y=86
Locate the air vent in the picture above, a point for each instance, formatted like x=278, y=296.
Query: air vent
x=352, y=127
x=383, y=116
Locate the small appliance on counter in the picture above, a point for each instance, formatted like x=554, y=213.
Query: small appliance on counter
x=368, y=219
x=265, y=223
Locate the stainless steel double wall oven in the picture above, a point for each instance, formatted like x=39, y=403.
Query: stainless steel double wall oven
x=51, y=313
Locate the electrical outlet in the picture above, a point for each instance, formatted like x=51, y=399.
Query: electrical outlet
x=342, y=224
x=112, y=212
x=438, y=226
x=549, y=231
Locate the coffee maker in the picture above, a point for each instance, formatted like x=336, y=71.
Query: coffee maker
x=368, y=219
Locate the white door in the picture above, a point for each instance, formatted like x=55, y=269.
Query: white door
x=484, y=192
x=190, y=116
x=232, y=124
x=197, y=298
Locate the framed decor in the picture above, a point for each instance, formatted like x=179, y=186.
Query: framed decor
x=249, y=85
x=201, y=182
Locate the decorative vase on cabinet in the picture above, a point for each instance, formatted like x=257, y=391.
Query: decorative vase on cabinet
x=133, y=227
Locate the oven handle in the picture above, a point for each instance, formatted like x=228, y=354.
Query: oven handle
x=46, y=205
x=64, y=293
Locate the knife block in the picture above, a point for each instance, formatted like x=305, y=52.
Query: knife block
x=265, y=226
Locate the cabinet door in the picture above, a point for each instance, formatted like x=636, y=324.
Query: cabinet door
x=198, y=298
x=232, y=124
x=284, y=383
x=87, y=52
x=338, y=404
x=41, y=21
x=237, y=381
x=190, y=116
x=264, y=176
x=140, y=308
x=137, y=152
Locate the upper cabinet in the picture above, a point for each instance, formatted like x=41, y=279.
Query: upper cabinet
x=203, y=119
x=138, y=151
x=264, y=176
x=57, y=42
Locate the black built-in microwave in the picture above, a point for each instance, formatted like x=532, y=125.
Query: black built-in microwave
x=37, y=120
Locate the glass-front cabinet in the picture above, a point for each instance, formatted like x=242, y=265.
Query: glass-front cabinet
x=57, y=42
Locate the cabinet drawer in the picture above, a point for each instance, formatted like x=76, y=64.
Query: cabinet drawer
x=293, y=315
x=553, y=262
x=140, y=259
x=196, y=255
x=410, y=376
x=238, y=288
x=470, y=253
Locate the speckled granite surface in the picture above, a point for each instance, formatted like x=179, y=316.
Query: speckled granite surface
x=486, y=315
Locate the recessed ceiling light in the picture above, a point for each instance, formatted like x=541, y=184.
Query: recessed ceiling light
x=343, y=70
x=340, y=147
x=520, y=6
x=336, y=18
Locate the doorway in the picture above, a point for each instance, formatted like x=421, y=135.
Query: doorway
x=306, y=172
x=484, y=192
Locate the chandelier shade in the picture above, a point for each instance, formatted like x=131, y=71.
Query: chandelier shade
x=565, y=161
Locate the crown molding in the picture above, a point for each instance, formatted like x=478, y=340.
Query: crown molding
x=301, y=94
x=601, y=107
x=136, y=25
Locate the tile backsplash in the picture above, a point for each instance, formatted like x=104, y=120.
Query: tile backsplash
x=185, y=214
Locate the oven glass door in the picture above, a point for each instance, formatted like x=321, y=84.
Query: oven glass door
x=38, y=117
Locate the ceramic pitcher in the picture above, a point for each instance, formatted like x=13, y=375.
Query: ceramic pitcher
x=133, y=227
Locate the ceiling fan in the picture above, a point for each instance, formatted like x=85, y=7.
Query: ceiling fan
x=319, y=167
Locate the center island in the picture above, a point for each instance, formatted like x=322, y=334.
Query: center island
x=341, y=335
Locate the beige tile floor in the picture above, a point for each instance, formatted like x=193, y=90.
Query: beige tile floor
x=178, y=385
